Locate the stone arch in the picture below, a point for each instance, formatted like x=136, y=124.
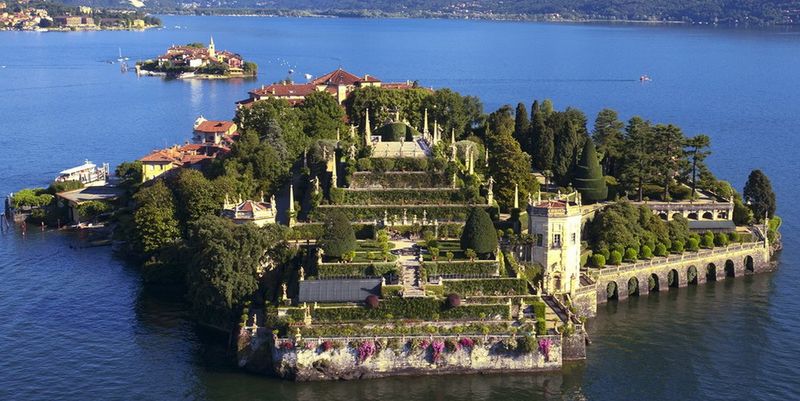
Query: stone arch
x=711, y=272
x=673, y=279
x=663, y=216
x=730, y=269
x=722, y=215
x=708, y=216
x=612, y=291
x=692, y=216
x=748, y=264
x=652, y=282
x=676, y=215
x=633, y=286
x=691, y=275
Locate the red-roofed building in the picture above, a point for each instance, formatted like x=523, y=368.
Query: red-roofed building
x=193, y=155
x=214, y=132
x=338, y=83
x=249, y=211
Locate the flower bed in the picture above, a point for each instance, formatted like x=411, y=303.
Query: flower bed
x=410, y=308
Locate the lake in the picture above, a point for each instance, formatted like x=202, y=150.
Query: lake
x=76, y=323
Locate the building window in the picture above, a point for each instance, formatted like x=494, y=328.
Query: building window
x=556, y=240
x=539, y=239
x=574, y=237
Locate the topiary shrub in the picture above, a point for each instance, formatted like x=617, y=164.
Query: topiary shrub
x=631, y=254
x=692, y=244
x=453, y=300
x=479, y=233
x=647, y=252
x=721, y=239
x=598, y=260
x=661, y=250
x=616, y=258
x=734, y=237
x=338, y=238
x=677, y=246
x=372, y=301
x=589, y=180
x=707, y=240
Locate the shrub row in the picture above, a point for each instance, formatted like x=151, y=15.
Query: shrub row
x=378, y=269
x=380, y=164
x=314, y=231
x=478, y=267
x=399, y=196
x=399, y=179
x=487, y=286
x=358, y=212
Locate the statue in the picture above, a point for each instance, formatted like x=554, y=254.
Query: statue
x=353, y=151
x=424, y=217
x=302, y=273
x=284, y=297
x=491, y=183
x=315, y=181
x=255, y=320
x=405, y=218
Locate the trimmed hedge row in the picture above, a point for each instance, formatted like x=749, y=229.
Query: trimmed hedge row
x=355, y=269
x=401, y=196
x=360, y=212
x=314, y=231
x=409, y=308
x=400, y=179
x=487, y=286
x=478, y=267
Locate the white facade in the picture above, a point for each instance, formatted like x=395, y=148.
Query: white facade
x=555, y=226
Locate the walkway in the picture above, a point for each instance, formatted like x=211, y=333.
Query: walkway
x=409, y=274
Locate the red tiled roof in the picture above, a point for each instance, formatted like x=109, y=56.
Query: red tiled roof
x=161, y=156
x=342, y=77
x=214, y=126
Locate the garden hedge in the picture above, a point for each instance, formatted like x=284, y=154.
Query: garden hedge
x=374, y=269
x=467, y=268
x=487, y=286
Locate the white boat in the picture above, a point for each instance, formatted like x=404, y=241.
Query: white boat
x=88, y=173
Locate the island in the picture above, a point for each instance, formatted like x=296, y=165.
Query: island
x=196, y=60
x=362, y=229
x=51, y=16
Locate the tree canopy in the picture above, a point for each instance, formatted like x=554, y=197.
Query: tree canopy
x=589, y=180
x=338, y=237
x=759, y=196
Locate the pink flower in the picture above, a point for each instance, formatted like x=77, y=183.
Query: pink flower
x=327, y=345
x=544, y=348
x=287, y=345
x=466, y=342
x=437, y=347
x=365, y=350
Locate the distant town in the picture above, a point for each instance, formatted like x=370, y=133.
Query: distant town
x=196, y=60
x=47, y=16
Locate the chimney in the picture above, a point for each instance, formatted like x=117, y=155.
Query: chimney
x=366, y=77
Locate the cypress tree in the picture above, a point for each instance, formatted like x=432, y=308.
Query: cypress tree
x=479, y=234
x=541, y=141
x=522, y=127
x=339, y=237
x=566, y=142
x=589, y=180
x=759, y=196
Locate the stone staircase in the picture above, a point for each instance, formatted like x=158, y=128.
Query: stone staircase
x=412, y=283
x=554, y=315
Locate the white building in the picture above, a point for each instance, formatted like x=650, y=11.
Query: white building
x=555, y=226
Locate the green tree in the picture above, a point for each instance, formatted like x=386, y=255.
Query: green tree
x=566, y=147
x=263, y=114
x=638, y=165
x=154, y=218
x=543, y=145
x=589, y=180
x=479, y=233
x=129, y=172
x=508, y=164
x=608, y=137
x=696, y=151
x=338, y=237
x=667, y=153
x=195, y=196
x=321, y=116
x=225, y=268
x=522, y=127
x=759, y=196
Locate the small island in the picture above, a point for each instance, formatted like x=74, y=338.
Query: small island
x=196, y=60
x=351, y=228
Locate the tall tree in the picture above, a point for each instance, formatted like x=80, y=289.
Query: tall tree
x=508, y=164
x=668, y=153
x=589, y=180
x=321, y=116
x=154, y=218
x=543, y=147
x=522, y=127
x=608, y=137
x=697, y=151
x=638, y=164
x=566, y=147
x=758, y=194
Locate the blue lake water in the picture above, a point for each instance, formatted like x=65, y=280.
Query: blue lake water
x=76, y=323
